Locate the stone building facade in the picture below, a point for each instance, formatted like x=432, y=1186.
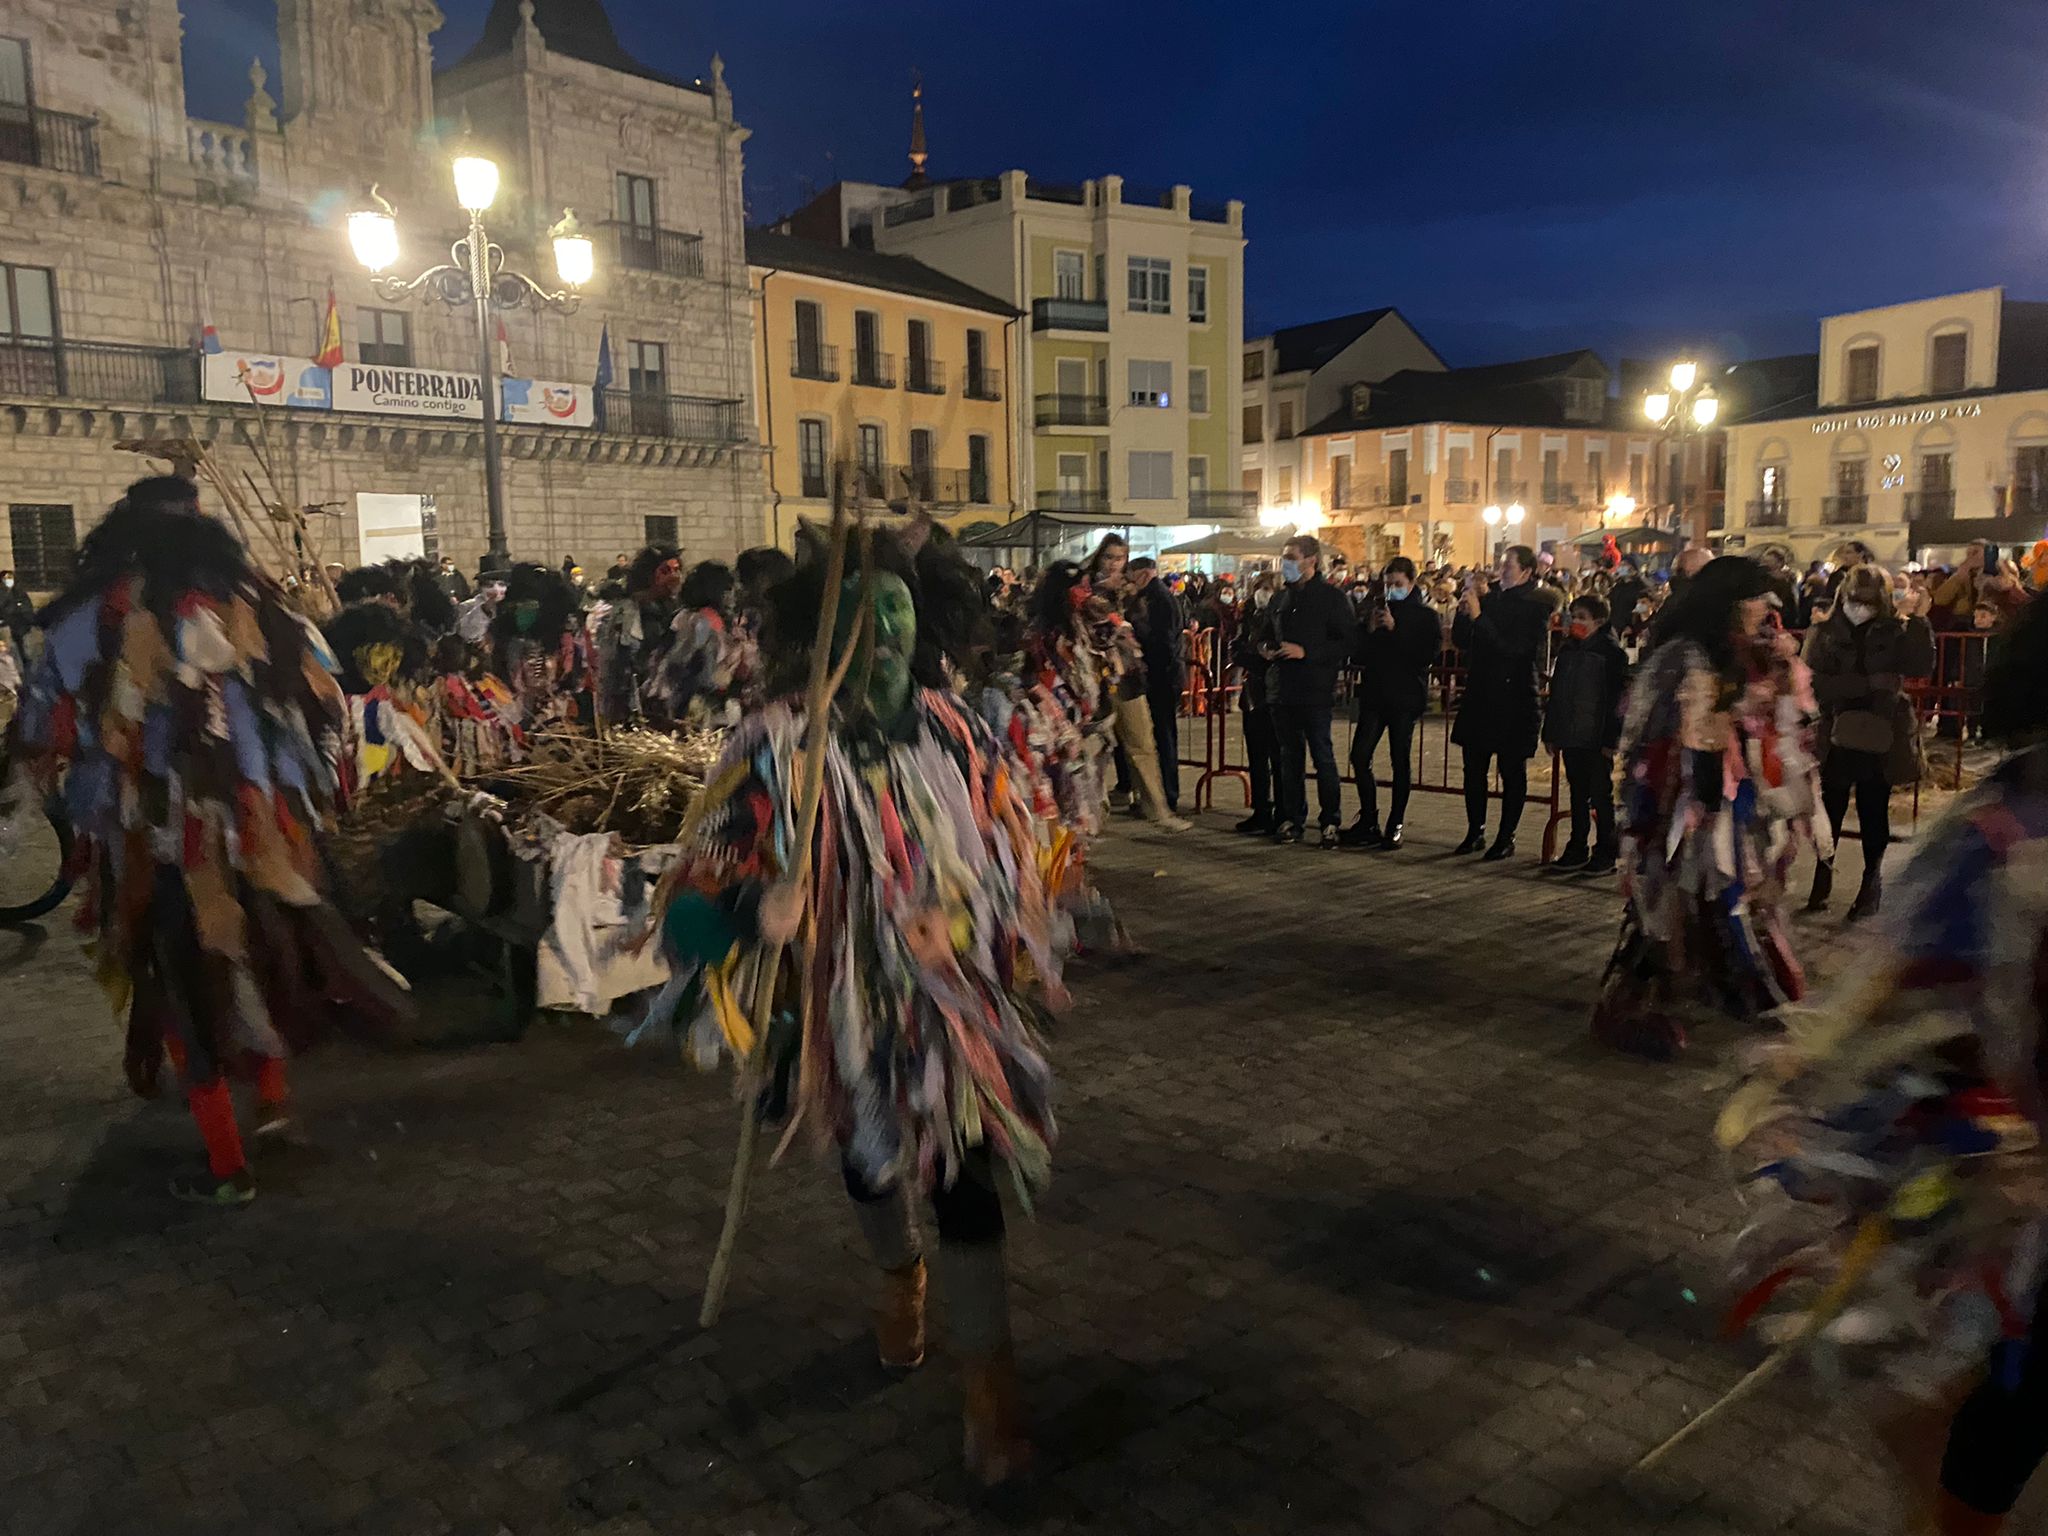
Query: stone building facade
x=127, y=225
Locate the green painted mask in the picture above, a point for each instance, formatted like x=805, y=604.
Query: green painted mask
x=884, y=658
x=525, y=614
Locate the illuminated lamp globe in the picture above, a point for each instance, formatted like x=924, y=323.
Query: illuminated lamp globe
x=1620, y=508
x=373, y=236
x=1706, y=408
x=476, y=182
x=1492, y=516
x=1515, y=514
x=1657, y=406
x=1683, y=376
x=575, y=256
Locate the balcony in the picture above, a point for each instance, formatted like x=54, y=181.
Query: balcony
x=1461, y=493
x=56, y=141
x=1557, y=493
x=1069, y=315
x=1774, y=513
x=1069, y=499
x=2022, y=500
x=644, y=248
x=1220, y=506
x=1930, y=504
x=108, y=371
x=898, y=484
x=925, y=377
x=874, y=370
x=1837, y=511
x=1072, y=411
x=984, y=384
x=814, y=360
x=1505, y=491
x=2011, y=515
x=678, y=418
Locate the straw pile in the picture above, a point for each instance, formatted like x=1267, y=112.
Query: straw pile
x=638, y=784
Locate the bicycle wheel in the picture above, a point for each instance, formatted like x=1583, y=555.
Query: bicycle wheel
x=35, y=848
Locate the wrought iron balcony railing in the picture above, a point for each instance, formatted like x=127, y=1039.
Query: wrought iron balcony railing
x=1773, y=513
x=984, y=384
x=680, y=418
x=814, y=360
x=925, y=376
x=874, y=370
x=1069, y=315
x=646, y=248
x=1072, y=411
x=56, y=141
x=110, y=371
x=1845, y=509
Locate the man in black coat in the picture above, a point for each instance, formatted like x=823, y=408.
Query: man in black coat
x=17, y=613
x=1503, y=641
x=1314, y=634
x=1400, y=642
x=1156, y=616
x=1588, y=682
x=1249, y=649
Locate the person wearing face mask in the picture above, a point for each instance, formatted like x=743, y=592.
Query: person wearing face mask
x=1588, y=681
x=1314, y=633
x=17, y=613
x=1503, y=640
x=1861, y=657
x=1400, y=642
x=1261, y=743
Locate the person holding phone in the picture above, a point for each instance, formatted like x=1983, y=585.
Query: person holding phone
x=1314, y=633
x=1401, y=641
x=1503, y=639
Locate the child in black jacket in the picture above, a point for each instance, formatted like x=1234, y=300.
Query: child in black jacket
x=1588, y=683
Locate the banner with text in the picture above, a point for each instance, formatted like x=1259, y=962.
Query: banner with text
x=266, y=379
x=242, y=377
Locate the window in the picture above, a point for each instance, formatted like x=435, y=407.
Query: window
x=981, y=385
x=1151, y=383
x=810, y=341
x=1456, y=463
x=1503, y=473
x=1251, y=482
x=1635, y=473
x=1285, y=498
x=1397, y=477
x=1861, y=385
x=660, y=528
x=45, y=545
x=646, y=368
x=1069, y=275
x=1198, y=295
x=1583, y=399
x=2029, y=493
x=1949, y=367
x=1849, y=478
x=872, y=471
x=636, y=203
x=17, y=121
x=1071, y=375
x=28, y=305
x=1553, y=467
x=1198, y=476
x=1596, y=473
x=1254, y=424
x=1283, y=418
x=1149, y=285
x=867, y=349
x=978, y=489
x=810, y=457
x=383, y=339
x=922, y=375
x=921, y=462
x=1340, y=480
x=1717, y=464
x=1198, y=391
x=1770, y=485
x=1151, y=476
x=1073, y=472
x=1254, y=366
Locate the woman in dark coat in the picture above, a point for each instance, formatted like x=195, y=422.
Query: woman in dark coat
x=1588, y=682
x=1503, y=642
x=1861, y=655
x=1401, y=639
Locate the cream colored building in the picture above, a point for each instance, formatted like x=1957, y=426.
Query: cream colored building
x=887, y=364
x=126, y=223
x=1297, y=376
x=1930, y=429
x=1127, y=366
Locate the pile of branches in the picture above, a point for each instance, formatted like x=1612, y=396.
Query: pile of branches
x=637, y=784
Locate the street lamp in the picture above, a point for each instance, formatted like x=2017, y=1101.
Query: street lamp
x=475, y=275
x=1495, y=515
x=1688, y=405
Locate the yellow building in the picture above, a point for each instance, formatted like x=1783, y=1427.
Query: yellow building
x=887, y=364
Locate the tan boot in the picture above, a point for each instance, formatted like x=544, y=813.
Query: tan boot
x=996, y=1447
x=899, y=1318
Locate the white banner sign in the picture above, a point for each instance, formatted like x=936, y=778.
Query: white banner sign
x=241, y=377
x=266, y=379
x=408, y=392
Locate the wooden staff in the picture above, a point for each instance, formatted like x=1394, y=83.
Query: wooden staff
x=824, y=680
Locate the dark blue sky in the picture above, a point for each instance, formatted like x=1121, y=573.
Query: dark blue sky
x=1517, y=176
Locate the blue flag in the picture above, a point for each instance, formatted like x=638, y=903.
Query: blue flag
x=603, y=381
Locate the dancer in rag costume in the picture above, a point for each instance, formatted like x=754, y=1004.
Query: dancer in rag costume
x=1892, y=1140
x=708, y=668
x=1717, y=791
x=194, y=722
x=926, y=929
x=634, y=632
x=385, y=669
x=540, y=649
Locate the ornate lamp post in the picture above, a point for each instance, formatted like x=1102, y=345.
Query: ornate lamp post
x=1496, y=516
x=1688, y=406
x=475, y=275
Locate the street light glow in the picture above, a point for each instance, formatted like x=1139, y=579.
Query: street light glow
x=1620, y=507
x=1683, y=376
x=476, y=182
x=1492, y=516
x=575, y=259
x=373, y=235
x=1657, y=406
x=1515, y=514
x=1706, y=408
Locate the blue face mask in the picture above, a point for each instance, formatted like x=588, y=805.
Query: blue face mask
x=1290, y=571
x=1395, y=594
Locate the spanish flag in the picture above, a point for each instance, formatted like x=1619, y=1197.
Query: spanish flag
x=329, y=355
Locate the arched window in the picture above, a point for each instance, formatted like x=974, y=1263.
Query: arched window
x=1861, y=370
x=1948, y=358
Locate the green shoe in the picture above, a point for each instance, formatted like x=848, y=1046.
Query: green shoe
x=205, y=1189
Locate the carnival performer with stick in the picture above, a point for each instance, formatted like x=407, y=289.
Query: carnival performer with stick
x=1717, y=791
x=877, y=825
x=1891, y=1142
x=194, y=722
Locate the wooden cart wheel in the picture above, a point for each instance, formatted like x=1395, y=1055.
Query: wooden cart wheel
x=483, y=867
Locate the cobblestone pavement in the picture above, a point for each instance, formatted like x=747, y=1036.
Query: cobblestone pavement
x=1352, y=1230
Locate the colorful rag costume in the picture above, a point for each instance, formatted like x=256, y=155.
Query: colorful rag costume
x=381, y=658
x=1891, y=1137
x=478, y=720
x=707, y=668
x=929, y=925
x=1717, y=788
x=195, y=725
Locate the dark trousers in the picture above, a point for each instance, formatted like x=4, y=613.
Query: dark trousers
x=1166, y=737
x=1262, y=756
x=969, y=1211
x=1514, y=788
x=1844, y=773
x=1304, y=733
x=2000, y=1434
x=1591, y=774
x=1365, y=740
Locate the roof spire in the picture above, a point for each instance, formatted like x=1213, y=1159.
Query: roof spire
x=917, y=149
